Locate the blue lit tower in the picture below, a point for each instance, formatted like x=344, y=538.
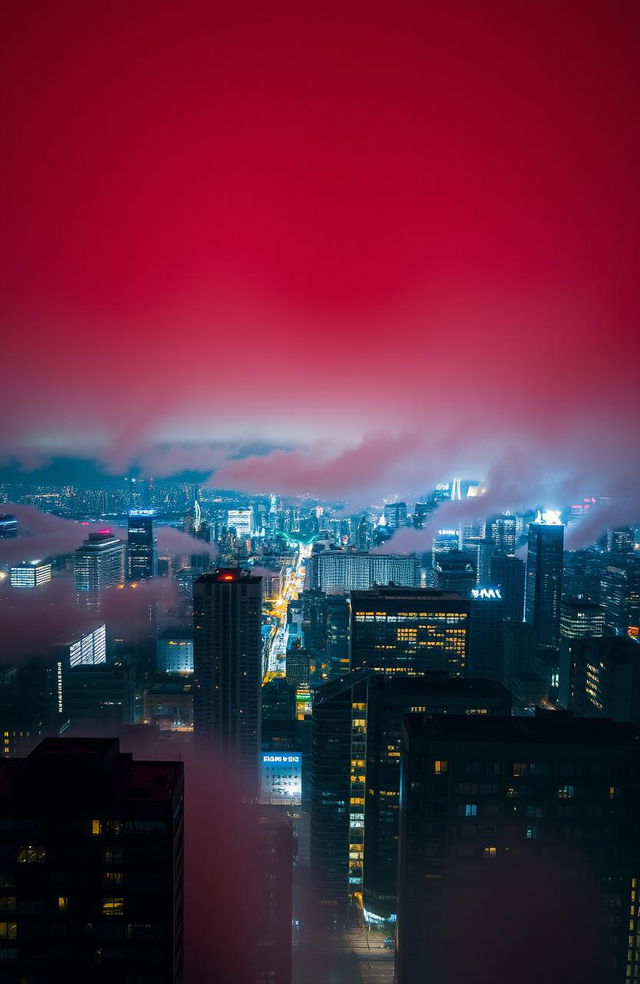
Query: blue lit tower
x=142, y=553
x=543, y=588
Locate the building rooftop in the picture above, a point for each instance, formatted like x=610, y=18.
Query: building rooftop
x=228, y=574
x=404, y=594
x=546, y=727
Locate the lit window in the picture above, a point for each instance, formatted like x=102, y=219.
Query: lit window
x=113, y=907
x=440, y=766
x=8, y=930
x=96, y=827
x=532, y=833
x=63, y=903
x=471, y=809
x=31, y=852
x=613, y=793
x=490, y=852
x=565, y=792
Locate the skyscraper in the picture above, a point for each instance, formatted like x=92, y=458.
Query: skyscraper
x=508, y=573
x=30, y=574
x=409, y=630
x=579, y=619
x=142, y=553
x=455, y=570
x=98, y=564
x=502, y=530
x=514, y=831
x=351, y=570
x=227, y=616
x=92, y=848
x=395, y=514
x=544, y=578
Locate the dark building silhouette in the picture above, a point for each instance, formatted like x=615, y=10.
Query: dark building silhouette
x=507, y=573
x=600, y=677
x=103, y=694
x=274, y=891
x=92, y=866
x=455, y=570
x=544, y=581
x=485, y=647
x=355, y=759
x=409, y=630
x=142, y=553
x=227, y=615
x=518, y=846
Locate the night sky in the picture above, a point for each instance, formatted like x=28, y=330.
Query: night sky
x=388, y=242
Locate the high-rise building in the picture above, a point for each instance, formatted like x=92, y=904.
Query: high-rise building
x=579, y=619
x=519, y=830
x=30, y=574
x=88, y=650
x=8, y=526
x=101, y=695
x=507, y=573
x=485, y=645
x=92, y=849
x=342, y=570
x=502, y=531
x=395, y=514
x=273, y=900
x=544, y=578
x=355, y=776
x=98, y=563
x=409, y=630
x=227, y=616
x=600, y=677
x=174, y=651
x=455, y=570
x=142, y=550
x=621, y=597
x=241, y=520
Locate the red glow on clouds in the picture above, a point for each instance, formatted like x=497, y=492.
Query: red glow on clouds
x=389, y=240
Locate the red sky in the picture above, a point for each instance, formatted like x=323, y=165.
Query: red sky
x=393, y=239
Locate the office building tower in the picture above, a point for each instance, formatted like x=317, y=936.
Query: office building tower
x=579, y=619
x=142, y=550
x=600, y=677
x=92, y=848
x=455, y=570
x=443, y=541
x=87, y=650
x=621, y=597
x=355, y=758
x=30, y=574
x=501, y=530
x=519, y=650
x=543, y=589
x=174, y=651
x=508, y=574
x=482, y=551
x=101, y=695
x=341, y=570
x=297, y=667
x=408, y=630
x=422, y=512
x=227, y=616
x=337, y=619
x=485, y=644
x=525, y=823
x=395, y=515
x=98, y=564
x=8, y=526
x=168, y=705
x=622, y=541
x=240, y=520
x=364, y=534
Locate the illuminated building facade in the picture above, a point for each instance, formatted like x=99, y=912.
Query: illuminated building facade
x=174, y=652
x=92, y=847
x=526, y=815
x=600, y=677
x=281, y=778
x=142, y=552
x=89, y=650
x=227, y=617
x=621, y=597
x=395, y=515
x=579, y=619
x=502, y=531
x=404, y=630
x=342, y=570
x=241, y=520
x=30, y=574
x=99, y=563
x=355, y=760
x=543, y=589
